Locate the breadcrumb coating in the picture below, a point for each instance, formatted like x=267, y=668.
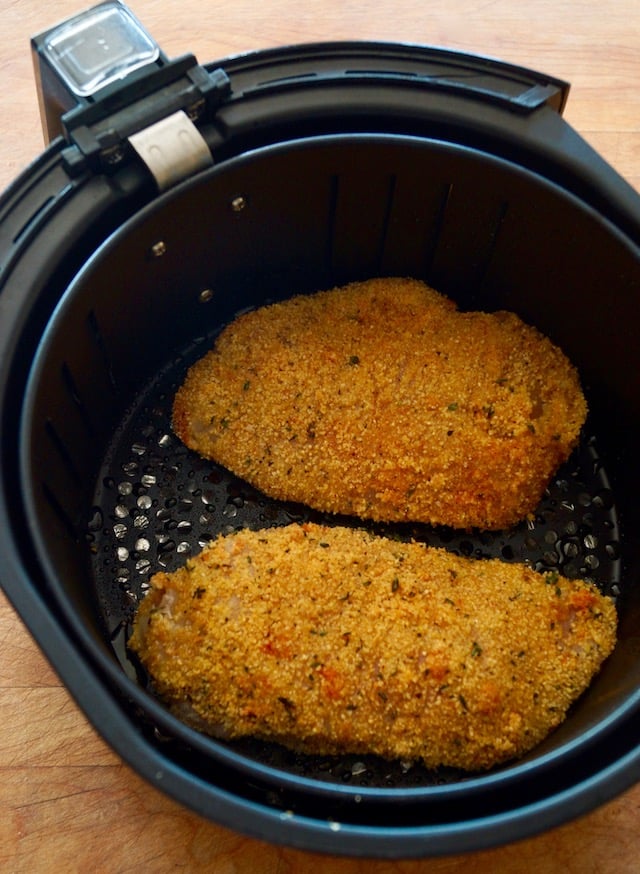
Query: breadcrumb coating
x=331, y=640
x=381, y=400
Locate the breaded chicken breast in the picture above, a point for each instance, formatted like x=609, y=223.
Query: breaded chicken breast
x=332, y=640
x=383, y=401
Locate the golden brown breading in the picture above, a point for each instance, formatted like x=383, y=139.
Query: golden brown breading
x=332, y=640
x=381, y=400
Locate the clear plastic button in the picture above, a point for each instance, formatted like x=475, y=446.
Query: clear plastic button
x=99, y=47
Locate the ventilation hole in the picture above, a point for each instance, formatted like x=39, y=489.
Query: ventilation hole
x=98, y=338
x=62, y=450
x=430, y=255
x=59, y=511
x=334, y=188
x=387, y=218
x=493, y=242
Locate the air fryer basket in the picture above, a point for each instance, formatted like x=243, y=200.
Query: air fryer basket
x=308, y=191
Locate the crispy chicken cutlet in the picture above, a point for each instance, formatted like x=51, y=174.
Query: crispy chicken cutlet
x=381, y=400
x=333, y=640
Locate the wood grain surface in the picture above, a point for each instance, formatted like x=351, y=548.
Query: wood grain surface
x=67, y=802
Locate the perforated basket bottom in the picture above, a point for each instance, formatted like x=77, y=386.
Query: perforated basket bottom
x=156, y=503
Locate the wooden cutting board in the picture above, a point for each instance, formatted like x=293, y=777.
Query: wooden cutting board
x=67, y=802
